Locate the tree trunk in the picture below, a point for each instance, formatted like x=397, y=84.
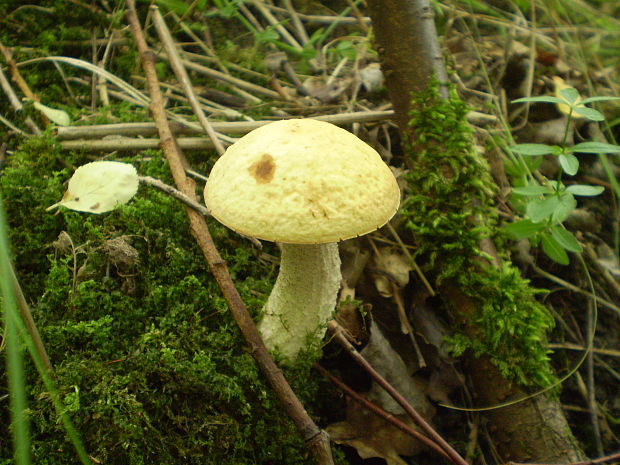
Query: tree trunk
x=533, y=430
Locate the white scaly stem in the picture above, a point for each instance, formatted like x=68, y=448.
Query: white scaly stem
x=303, y=297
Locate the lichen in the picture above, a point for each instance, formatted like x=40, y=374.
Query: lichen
x=449, y=208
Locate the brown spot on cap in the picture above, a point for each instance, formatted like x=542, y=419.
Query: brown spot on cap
x=263, y=170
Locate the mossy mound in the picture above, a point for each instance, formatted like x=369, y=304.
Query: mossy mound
x=148, y=361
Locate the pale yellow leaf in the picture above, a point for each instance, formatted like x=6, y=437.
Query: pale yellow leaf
x=559, y=84
x=100, y=186
x=58, y=117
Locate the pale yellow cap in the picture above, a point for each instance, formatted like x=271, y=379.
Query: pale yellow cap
x=301, y=181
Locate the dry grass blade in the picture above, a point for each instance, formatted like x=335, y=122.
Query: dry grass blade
x=135, y=93
x=183, y=77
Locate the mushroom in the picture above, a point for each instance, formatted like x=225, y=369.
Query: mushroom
x=307, y=185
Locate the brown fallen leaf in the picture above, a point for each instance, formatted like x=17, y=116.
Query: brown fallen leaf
x=369, y=434
x=390, y=266
x=372, y=436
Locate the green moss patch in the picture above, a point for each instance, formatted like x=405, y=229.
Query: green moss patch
x=148, y=361
x=449, y=209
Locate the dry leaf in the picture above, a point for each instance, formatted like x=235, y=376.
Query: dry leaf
x=99, y=187
x=326, y=91
x=369, y=434
x=121, y=253
x=59, y=117
x=558, y=85
x=387, y=362
x=608, y=260
x=371, y=77
x=372, y=436
x=392, y=266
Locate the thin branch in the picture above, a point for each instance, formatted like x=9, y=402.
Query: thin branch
x=15, y=74
x=16, y=103
x=177, y=194
x=146, y=129
x=128, y=144
x=316, y=440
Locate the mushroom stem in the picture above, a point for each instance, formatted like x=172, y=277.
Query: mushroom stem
x=303, y=297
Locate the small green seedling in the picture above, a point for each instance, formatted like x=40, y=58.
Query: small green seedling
x=546, y=204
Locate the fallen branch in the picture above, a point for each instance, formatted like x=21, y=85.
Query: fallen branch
x=130, y=144
x=234, y=127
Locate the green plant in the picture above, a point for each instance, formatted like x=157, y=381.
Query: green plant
x=16, y=334
x=545, y=203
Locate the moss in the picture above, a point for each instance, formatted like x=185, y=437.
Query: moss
x=148, y=360
x=449, y=208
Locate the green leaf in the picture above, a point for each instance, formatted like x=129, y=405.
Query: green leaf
x=544, y=98
x=523, y=229
x=598, y=99
x=566, y=239
x=589, y=113
x=569, y=163
x=595, y=147
x=566, y=205
x=317, y=36
x=269, y=35
x=539, y=210
x=308, y=53
x=532, y=149
x=178, y=6
x=570, y=95
x=554, y=250
x=587, y=191
x=533, y=190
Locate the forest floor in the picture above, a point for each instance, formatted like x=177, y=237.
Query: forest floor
x=148, y=362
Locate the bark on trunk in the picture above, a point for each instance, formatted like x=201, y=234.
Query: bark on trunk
x=533, y=430
x=406, y=40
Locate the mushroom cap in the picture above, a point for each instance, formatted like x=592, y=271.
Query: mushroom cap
x=301, y=181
